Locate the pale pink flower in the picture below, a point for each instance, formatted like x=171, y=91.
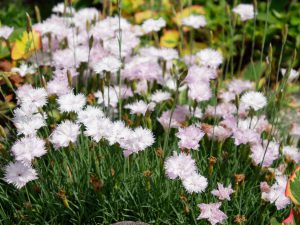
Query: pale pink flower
x=210, y=58
x=5, y=32
x=238, y=86
x=245, y=136
x=295, y=131
x=276, y=193
x=223, y=192
x=179, y=116
x=264, y=153
x=224, y=110
x=19, y=174
x=200, y=91
x=197, y=74
x=226, y=96
x=292, y=152
x=195, y=183
x=218, y=132
x=212, y=213
x=160, y=96
x=294, y=74
x=189, y=137
x=180, y=166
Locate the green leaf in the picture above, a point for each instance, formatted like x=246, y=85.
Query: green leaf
x=254, y=71
x=274, y=221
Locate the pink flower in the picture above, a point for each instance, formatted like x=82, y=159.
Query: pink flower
x=218, y=132
x=179, y=116
x=200, y=74
x=238, y=86
x=265, y=153
x=246, y=136
x=226, y=96
x=276, y=193
x=292, y=153
x=223, y=192
x=264, y=187
x=224, y=110
x=212, y=213
x=200, y=91
x=190, y=137
x=295, y=130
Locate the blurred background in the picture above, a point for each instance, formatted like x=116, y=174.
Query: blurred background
x=281, y=12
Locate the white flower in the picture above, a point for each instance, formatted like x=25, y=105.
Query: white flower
x=195, y=183
x=118, y=132
x=153, y=25
x=18, y=174
x=210, y=58
x=111, y=96
x=61, y=8
x=32, y=97
x=180, y=165
x=5, y=32
x=160, y=96
x=23, y=69
x=27, y=121
x=27, y=148
x=194, y=21
x=140, y=107
x=294, y=74
x=58, y=86
x=108, y=64
x=254, y=100
x=246, y=11
x=71, y=102
x=64, y=134
x=137, y=140
x=89, y=114
x=98, y=129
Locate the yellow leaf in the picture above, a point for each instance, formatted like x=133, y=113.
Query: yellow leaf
x=131, y=5
x=141, y=16
x=170, y=39
x=26, y=45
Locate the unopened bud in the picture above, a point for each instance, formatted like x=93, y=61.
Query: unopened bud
x=285, y=33
x=91, y=42
x=2, y=132
x=37, y=13
x=28, y=23
x=69, y=78
x=44, y=82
